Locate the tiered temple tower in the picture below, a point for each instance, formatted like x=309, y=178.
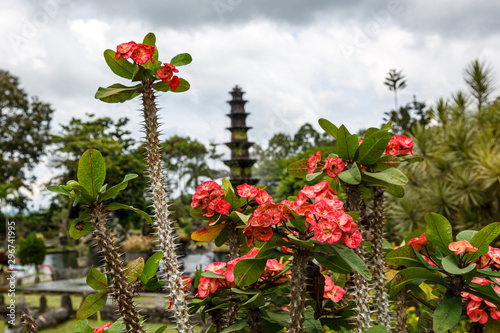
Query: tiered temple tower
x=240, y=162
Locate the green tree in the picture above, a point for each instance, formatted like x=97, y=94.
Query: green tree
x=395, y=80
x=24, y=135
x=121, y=155
x=32, y=250
x=459, y=177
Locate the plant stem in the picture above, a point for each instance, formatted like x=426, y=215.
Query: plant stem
x=118, y=288
x=164, y=225
x=298, y=291
x=401, y=317
x=361, y=293
x=234, y=252
x=378, y=256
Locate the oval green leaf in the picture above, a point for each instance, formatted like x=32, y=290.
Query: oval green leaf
x=91, y=171
x=248, y=271
x=92, y=304
x=439, y=231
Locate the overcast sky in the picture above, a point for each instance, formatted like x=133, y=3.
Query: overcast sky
x=296, y=60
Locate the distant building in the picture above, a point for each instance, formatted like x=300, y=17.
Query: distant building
x=240, y=163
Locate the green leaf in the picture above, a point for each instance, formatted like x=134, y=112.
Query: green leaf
x=347, y=255
x=154, y=284
x=96, y=279
x=391, y=176
x=82, y=326
x=161, y=329
x=248, y=271
x=134, y=269
x=298, y=168
x=163, y=86
x=347, y=144
x=328, y=127
x=403, y=256
x=451, y=266
x=377, y=329
x=332, y=262
x=113, y=191
x=235, y=327
x=91, y=171
x=92, y=304
x=395, y=190
x=312, y=176
x=117, y=327
x=413, y=275
x=120, y=67
x=244, y=218
x=373, y=147
x=386, y=162
x=115, y=206
x=80, y=227
x=59, y=190
x=303, y=244
x=231, y=197
x=466, y=235
x=483, y=238
x=117, y=93
x=181, y=59
x=447, y=314
x=439, y=231
x=255, y=302
x=351, y=176
x=151, y=267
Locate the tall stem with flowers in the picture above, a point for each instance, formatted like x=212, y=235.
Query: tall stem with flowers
x=154, y=76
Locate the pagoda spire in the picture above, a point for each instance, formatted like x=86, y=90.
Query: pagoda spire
x=240, y=163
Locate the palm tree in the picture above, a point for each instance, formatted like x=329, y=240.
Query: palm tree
x=395, y=81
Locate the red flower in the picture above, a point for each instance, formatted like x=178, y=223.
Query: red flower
x=102, y=328
x=125, y=50
x=247, y=191
x=417, y=243
x=333, y=292
x=462, y=246
x=142, y=53
x=174, y=84
x=327, y=231
x=207, y=286
x=216, y=268
x=186, y=282
x=399, y=144
x=333, y=166
x=312, y=162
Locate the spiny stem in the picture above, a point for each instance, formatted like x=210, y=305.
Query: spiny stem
x=298, y=291
x=163, y=224
x=355, y=202
x=118, y=288
x=379, y=279
x=401, y=317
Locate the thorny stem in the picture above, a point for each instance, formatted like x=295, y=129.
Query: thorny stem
x=234, y=252
x=118, y=288
x=163, y=224
x=377, y=223
x=361, y=293
x=401, y=317
x=298, y=291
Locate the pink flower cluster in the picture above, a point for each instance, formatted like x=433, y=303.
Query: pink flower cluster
x=266, y=215
x=325, y=215
x=333, y=292
x=332, y=165
x=477, y=308
x=210, y=285
x=400, y=144
x=210, y=198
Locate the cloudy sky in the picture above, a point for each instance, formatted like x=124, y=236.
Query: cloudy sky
x=297, y=60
